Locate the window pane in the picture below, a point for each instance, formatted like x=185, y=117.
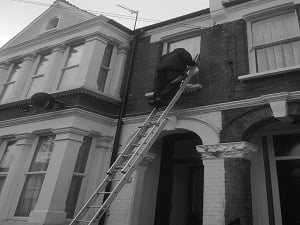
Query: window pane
x=73, y=196
x=69, y=78
x=74, y=55
x=287, y=144
x=83, y=155
x=275, y=28
x=43, y=65
x=8, y=156
x=107, y=55
x=8, y=91
x=192, y=45
x=30, y=194
x=42, y=154
x=15, y=72
x=288, y=172
x=36, y=85
x=2, y=180
x=102, y=79
x=52, y=24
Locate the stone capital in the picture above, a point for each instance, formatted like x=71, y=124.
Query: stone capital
x=241, y=149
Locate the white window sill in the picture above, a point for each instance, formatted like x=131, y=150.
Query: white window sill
x=190, y=88
x=269, y=73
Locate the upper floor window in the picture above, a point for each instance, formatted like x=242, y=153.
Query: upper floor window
x=52, y=24
x=274, y=42
x=38, y=77
x=9, y=85
x=35, y=175
x=192, y=45
x=105, y=67
x=69, y=76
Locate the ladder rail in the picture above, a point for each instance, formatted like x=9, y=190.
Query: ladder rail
x=139, y=144
x=133, y=138
x=125, y=176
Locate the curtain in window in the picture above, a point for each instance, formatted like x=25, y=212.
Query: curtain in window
x=192, y=45
x=29, y=195
x=284, y=54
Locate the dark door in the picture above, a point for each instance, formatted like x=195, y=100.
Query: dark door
x=163, y=202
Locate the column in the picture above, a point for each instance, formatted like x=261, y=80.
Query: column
x=91, y=61
x=15, y=173
x=227, y=183
x=50, y=207
x=118, y=71
x=54, y=71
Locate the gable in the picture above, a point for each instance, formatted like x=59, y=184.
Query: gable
x=67, y=14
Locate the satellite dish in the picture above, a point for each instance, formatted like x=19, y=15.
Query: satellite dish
x=44, y=100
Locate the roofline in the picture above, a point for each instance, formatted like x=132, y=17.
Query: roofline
x=174, y=20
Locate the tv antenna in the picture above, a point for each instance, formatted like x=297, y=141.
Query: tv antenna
x=132, y=12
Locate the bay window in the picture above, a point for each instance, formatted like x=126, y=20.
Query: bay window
x=70, y=76
x=35, y=176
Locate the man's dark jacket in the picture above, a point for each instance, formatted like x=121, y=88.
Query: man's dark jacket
x=176, y=60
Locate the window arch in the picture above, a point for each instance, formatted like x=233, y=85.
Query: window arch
x=52, y=23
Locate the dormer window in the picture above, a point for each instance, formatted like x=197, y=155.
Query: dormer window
x=52, y=24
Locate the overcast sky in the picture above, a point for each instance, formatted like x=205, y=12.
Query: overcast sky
x=17, y=14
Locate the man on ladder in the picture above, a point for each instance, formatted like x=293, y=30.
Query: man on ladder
x=170, y=71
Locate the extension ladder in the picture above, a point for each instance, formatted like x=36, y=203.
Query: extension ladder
x=127, y=161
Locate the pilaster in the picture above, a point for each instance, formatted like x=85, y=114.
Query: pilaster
x=227, y=184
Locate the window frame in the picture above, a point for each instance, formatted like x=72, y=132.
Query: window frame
x=8, y=81
x=27, y=173
x=3, y=148
x=194, y=83
x=65, y=67
x=34, y=74
x=45, y=30
x=260, y=16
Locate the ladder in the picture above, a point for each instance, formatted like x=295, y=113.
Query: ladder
x=133, y=153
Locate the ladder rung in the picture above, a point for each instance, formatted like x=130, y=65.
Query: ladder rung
x=104, y=192
x=135, y=145
x=142, y=135
x=126, y=156
x=94, y=206
x=83, y=221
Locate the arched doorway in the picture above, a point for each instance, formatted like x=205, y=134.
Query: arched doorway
x=179, y=197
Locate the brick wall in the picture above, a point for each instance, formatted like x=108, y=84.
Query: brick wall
x=224, y=57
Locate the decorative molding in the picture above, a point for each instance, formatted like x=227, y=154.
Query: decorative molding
x=104, y=142
x=71, y=130
x=4, y=65
x=58, y=115
x=227, y=150
x=262, y=100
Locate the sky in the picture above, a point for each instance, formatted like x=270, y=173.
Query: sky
x=17, y=14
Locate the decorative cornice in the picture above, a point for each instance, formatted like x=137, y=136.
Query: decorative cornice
x=227, y=150
x=71, y=130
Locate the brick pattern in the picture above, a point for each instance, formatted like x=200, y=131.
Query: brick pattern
x=238, y=190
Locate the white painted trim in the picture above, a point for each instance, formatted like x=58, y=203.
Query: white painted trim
x=262, y=100
x=59, y=114
x=269, y=73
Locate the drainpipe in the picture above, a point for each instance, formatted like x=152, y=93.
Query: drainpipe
x=124, y=94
